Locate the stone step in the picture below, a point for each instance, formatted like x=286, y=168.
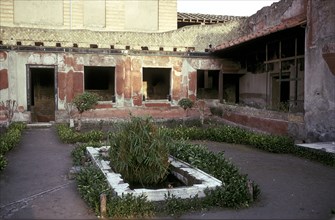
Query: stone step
x=39, y=125
x=324, y=146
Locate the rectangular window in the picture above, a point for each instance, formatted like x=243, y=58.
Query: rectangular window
x=100, y=80
x=156, y=83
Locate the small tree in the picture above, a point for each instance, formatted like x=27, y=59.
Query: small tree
x=84, y=102
x=186, y=104
x=201, y=104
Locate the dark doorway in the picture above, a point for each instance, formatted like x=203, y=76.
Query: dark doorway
x=41, y=93
x=231, y=88
x=156, y=83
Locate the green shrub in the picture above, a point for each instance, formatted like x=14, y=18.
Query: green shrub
x=85, y=102
x=9, y=140
x=79, y=152
x=129, y=206
x=140, y=151
x=186, y=103
x=70, y=136
x=3, y=162
x=91, y=184
x=236, y=135
x=234, y=192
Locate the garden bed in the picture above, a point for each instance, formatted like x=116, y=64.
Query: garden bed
x=196, y=181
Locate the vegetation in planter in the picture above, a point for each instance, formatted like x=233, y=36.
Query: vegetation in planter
x=79, y=152
x=140, y=151
x=236, y=135
x=71, y=136
x=235, y=192
x=91, y=184
x=129, y=206
x=84, y=102
x=9, y=140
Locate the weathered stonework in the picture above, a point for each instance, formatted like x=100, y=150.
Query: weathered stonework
x=319, y=80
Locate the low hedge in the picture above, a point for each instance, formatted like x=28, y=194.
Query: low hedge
x=9, y=140
x=236, y=135
x=234, y=193
x=70, y=136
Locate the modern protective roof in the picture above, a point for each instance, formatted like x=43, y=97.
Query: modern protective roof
x=205, y=18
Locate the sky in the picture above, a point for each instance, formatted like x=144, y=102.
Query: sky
x=223, y=7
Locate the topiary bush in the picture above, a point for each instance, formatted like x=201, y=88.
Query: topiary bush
x=185, y=103
x=84, y=102
x=140, y=151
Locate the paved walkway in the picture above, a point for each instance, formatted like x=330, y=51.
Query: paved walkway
x=291, y=187
x=35, y=185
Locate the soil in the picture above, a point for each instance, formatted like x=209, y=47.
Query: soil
x=169, y=182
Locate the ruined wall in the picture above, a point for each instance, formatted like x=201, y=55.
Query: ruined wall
x=272, y=122
x=128, y=79
x=319, y=80
x=197, y=37
x=99, y=15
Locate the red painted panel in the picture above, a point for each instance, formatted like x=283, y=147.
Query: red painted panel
x=3, y=79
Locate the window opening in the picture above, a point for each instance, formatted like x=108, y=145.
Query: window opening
x=208, y=84
x=156, y=83
x=100, y=80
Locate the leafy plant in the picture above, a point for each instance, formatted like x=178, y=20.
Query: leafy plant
x=236, y=135
x=91, y=184
x=129, y=206
x=85, y=102
x=9, y=140
x=140, y=151
x=69, y=135
x=3, y=162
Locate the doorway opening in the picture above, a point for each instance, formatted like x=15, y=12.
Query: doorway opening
x=41, y=93
x=156, y=83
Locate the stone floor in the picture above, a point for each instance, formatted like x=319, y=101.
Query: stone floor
x=324, y=146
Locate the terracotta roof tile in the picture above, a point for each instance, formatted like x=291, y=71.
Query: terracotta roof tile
x=205, y=18
x=282, y=26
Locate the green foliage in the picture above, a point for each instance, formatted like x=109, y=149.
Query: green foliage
x=185, y=103
x=234, y=191
x=3, y=162
x=91, y=184
x=129, y=206
x=175, y=206
x=140, y=151
x=9, y=140
x=79, y=152
x=69, y=135
x=236, y=135
x=85, y=101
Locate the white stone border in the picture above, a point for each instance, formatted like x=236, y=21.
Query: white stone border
x=119, y=187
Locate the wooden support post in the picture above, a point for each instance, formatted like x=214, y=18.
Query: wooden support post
x=221, y=86
x=103, y=203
